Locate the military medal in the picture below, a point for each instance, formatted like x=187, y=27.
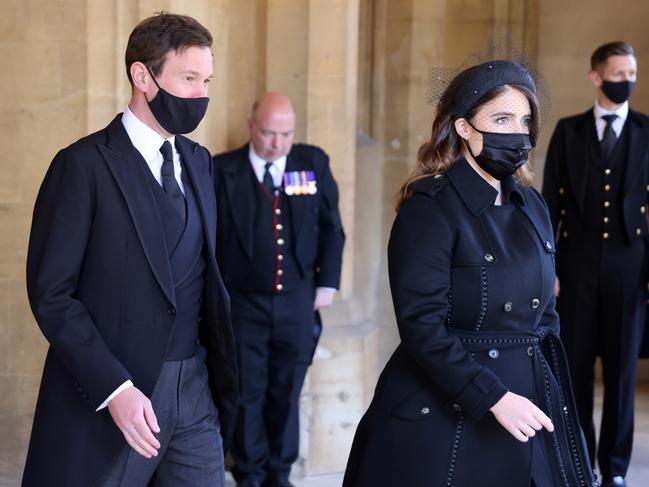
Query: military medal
x=298, y=183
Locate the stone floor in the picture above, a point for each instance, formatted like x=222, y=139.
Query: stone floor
x=11, y=462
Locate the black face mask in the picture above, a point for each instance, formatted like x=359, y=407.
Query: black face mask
x=177, y=115
x=502, y=154
x=618, y=91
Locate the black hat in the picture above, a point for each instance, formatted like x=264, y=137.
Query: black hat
x=481, y=79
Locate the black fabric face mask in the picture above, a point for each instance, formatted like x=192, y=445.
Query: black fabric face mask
x=618, y=91
x=175, y=114
x=502, y=154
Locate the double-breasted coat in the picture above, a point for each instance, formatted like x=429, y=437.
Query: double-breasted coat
x=472, y=286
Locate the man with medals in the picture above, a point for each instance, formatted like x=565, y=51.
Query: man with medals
x=596, y=185
x=279, y=245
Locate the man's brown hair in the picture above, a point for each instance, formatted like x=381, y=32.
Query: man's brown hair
x=155, y=36
x=605, y=51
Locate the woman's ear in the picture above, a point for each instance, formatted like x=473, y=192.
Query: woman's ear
x=462, y=128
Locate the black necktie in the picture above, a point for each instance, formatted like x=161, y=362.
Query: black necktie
x=268, y=179
x=610, y=137
x=169, y=182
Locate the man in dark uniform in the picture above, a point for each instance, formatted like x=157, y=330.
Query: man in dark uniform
x=279, y=245
x=141, y=375
x=596, y=185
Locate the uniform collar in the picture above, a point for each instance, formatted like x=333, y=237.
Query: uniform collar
x=477, y=193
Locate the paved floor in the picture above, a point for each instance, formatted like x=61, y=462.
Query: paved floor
x=11, y=463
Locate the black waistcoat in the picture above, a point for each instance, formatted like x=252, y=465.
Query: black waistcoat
x=603, y=214
x=274, y=266
x=185, y=241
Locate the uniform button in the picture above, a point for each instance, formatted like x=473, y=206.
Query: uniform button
x=493, y=353
x=199, y=320
x=605, y=219
x=607, y=204
x=565, y=234
x=507, y=306
x=488, y=257
x=279, y=287
x=535, y=303
x=171, y=311
x=607, y=171
x=647, y=187
x=79, y=388
x=530, y=351
x=424, y=410
x=548, y=245
x=280, y=257
x=278, y=211
x=280, y=272
x=280, y=241
x=279, y=226
x=563, y=212
x=638, y=231
x=643, y=210
x=605, y=235
x=561, y=190
x=607, y=187
x=457, y=407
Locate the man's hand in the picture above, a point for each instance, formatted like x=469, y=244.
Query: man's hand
x=323, y=298
x=520, y=416
x=133, y=414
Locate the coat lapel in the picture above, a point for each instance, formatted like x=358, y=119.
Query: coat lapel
x=124, y=163
x=237, y=187
x=637, y=151
x=202, y=190
x=578, y=156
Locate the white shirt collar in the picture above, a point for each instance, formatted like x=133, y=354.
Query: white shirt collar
x=146, y=140
x=622, y=111
x=259, y=166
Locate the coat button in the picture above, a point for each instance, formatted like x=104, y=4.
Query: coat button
x=457, y=407
x=607, y=171
x=171, y=311
x=488, y=257
x=607, y=204
x=530, y=351
x=280, y=257
x=424, y=410
x=280, y=272
x=605, y=235
x=605, y=219
x=508, y=306
x=643, y=210
x=548, y=245
x=535, y=303
x=278, y=211
x=565, y=234
x=638, y=231
x=279, y=287
x=280, y=241
x=607, y=187
x=561, y=190
x=279, y=226
x=493, y=353
x=563, y=212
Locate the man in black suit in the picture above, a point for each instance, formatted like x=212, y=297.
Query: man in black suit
x=141, y=375
x=596, y=185
x=279, y=246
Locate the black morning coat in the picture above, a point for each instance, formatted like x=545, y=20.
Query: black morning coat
x=475, y=312
x=100, y=286
x=318, y=232
x=564, y=185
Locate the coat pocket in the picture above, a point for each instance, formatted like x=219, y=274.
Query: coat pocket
x=417, y=406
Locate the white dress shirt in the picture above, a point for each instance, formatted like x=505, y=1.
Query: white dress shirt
x=622, y=112
x=259, y=166
x=147, y=142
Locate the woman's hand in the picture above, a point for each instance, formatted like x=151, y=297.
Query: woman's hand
x=520, y=416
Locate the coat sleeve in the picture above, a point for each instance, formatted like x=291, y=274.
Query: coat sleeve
x=60, y=233
x=331, y=237
x=553, y=176
x=419, y=264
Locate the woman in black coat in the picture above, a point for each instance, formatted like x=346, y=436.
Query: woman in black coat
x=477, y=392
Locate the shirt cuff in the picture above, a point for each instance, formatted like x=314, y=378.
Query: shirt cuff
x=331, y=290
x=125, y=385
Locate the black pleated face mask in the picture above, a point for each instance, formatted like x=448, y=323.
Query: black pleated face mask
x=502, y=154
x=175, y=114
x=618, y=91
